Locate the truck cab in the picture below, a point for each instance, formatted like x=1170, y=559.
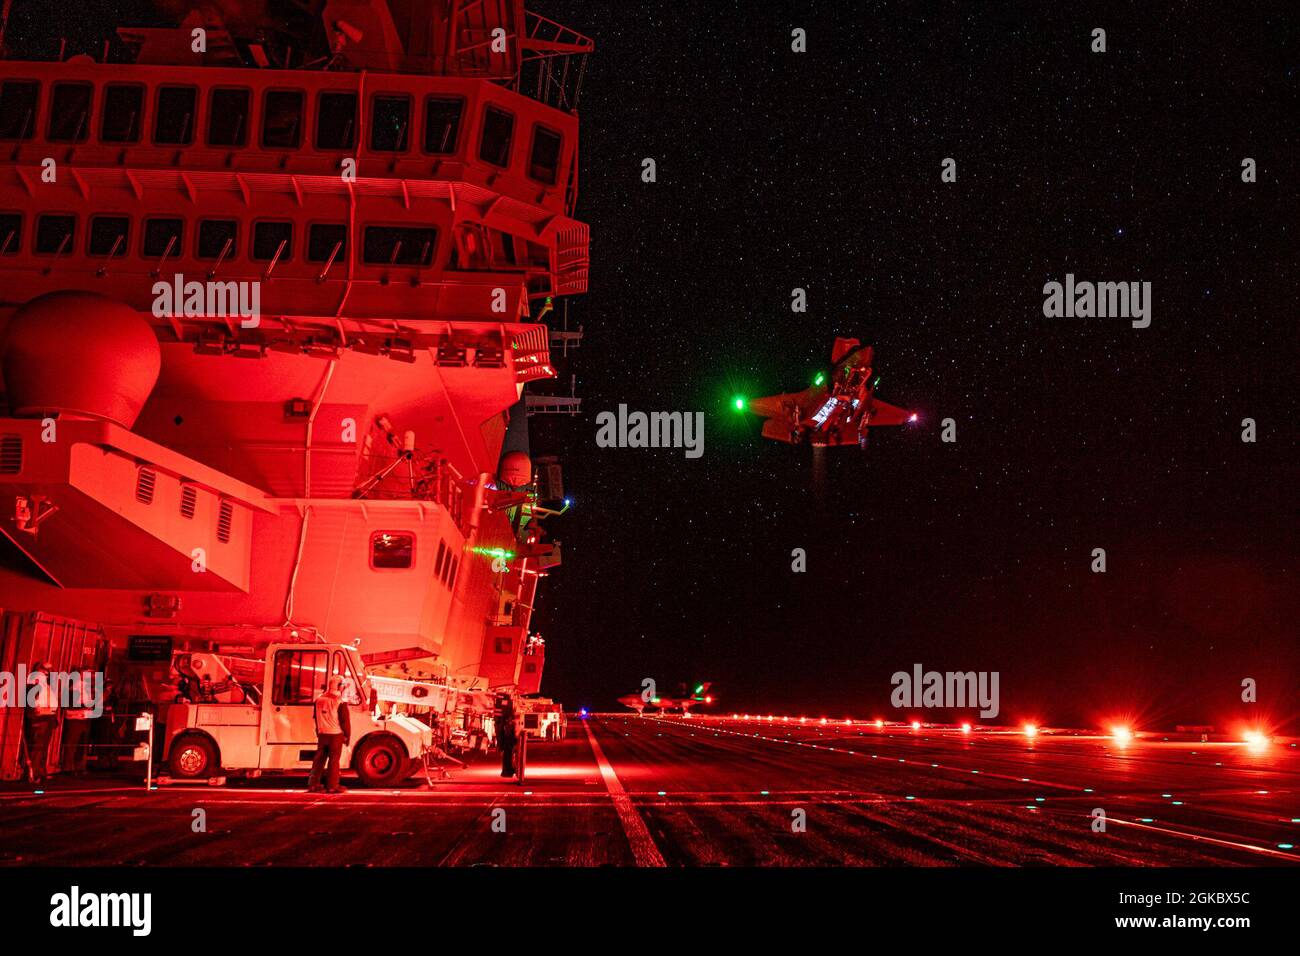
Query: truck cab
x=267, y=723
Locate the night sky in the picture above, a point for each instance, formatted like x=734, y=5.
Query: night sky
x=821, y=170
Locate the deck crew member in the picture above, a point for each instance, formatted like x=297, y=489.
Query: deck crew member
x=333, y=729
x=506, y=738
x=41, y=718
x=76, y=724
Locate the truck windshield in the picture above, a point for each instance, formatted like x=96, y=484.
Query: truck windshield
x=356, y=688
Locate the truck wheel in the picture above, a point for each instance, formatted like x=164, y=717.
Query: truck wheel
x=381, y=762
x=192, y=757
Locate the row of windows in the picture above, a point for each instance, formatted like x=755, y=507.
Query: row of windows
x=272, y=240
x=283, y=112
x=395, y=551
x=446, y=566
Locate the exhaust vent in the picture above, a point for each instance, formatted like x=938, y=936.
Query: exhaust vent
x=11, y=454
x=188, y=498
x=225, y=517
x=145, y=479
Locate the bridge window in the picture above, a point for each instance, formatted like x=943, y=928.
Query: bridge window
x=442, y=554
x=69, y=113
x=54, y=234
x=323, y=238
x=273, y=240
x=390, y=126
x=451, y=577
x=282, y=119
x=544, y=159
x=174, y=120
x=11, y=233
x=299, y=676
x=18, y=102
x=336, y=120
x=217, y=238
x=392, y=551
x=108, y=236
x=399, y=245
x=162, y=237
x=441, y=124
x=123, y=107
x=228, y=117
x=498, y=128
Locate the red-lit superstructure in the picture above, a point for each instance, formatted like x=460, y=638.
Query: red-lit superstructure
x=271, y=292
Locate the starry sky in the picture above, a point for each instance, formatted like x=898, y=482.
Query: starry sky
x=821, y=170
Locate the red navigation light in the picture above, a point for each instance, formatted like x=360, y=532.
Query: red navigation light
x=708, y=700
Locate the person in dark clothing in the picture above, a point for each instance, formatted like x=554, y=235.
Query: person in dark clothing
x=39, y=722
x=76, y=725
x=333, y=730
x=506, y=737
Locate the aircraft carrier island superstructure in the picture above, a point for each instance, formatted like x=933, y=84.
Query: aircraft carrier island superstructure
x=271, y=292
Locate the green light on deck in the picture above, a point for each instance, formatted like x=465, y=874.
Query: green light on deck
x=494, y=553
x=738, y=403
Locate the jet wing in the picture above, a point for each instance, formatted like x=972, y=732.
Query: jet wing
x=885, y=414
x=775, y=406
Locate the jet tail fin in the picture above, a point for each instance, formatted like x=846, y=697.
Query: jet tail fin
x=843, y=347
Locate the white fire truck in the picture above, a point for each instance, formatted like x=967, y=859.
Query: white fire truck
x=258, y=716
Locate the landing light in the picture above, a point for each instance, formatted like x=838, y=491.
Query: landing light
x=1121, y=734
x=1031, y=730
x=1255, y=740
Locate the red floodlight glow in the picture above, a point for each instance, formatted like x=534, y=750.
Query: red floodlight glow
x=965, y=728
x=916, y=725
x=1031, y=731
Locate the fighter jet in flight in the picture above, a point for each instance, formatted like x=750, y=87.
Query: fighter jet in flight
x=837, y=409
x=683, y=702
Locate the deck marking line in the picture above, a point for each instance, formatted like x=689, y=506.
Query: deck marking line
x=643, y=846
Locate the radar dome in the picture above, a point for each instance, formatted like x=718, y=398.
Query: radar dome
x=516, y=469
x=81, y=354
